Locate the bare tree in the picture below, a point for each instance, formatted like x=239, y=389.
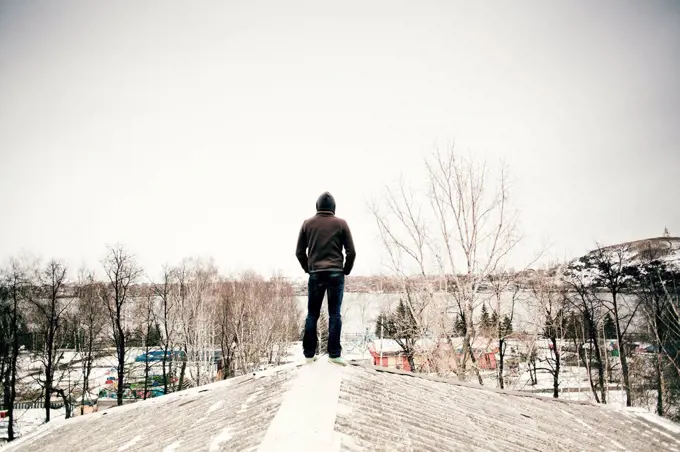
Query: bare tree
x=583, y=299
x=196, y=302
x=167, y=320
x=477, y=229
x=49, y=307
x=262, y=319
x=63, y=384
x=405, y=236
x=285, y=318
x=549, y=296
x=202, y=296
x=122, y=272
x=16, y=290
x=610, y=269
x=227, y=295
x=92, y=320
x=658, y=289
x=6, y=336
x=147, y=330
x=530, y=356
x=464, y=237
x=502, y=283
x=180, y=301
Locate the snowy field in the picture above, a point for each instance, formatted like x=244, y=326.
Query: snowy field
x=102, y=368
x=28, y=420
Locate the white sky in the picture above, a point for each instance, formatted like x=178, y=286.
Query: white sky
x=210, y=128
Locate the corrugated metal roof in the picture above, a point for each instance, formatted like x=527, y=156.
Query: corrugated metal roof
x=354, y=409
x=389, y=411
x=227, y=415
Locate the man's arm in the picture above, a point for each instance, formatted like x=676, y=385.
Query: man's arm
x=301, y=250
x=350, y=252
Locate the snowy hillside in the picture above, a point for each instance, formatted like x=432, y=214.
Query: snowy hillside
x=629, y=254
x=642, y=251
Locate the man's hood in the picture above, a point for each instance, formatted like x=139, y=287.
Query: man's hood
x=325, y=202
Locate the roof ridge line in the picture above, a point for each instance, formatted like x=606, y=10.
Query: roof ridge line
x=308, y=411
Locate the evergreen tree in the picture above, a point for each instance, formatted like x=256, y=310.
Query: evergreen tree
x=494, y=323
x=402, y=327
x=460, y=327
x=609, y=327
x=381, y=324
x=573, y=327
x=485, y=321
x=154, y=337
x=507, y=326
x=399, y=324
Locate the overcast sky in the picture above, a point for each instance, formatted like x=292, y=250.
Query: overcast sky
x=210, y=128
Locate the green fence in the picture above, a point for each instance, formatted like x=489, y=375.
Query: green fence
x=33, y=405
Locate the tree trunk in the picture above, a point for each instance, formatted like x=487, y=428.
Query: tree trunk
x=592, y=335
x=600, y=371
x=474, y=366
x=226, y=359
x=659, y=382
x=198, y=371
x=121, y=364
x=532, y=367
x=622, y=352
x=4, y=377
x=48, y=397
x=467, y=339
x=411, y=361
x=556, y=373
x=48, y=377
x=13, y=368
x=182, y=372
x=165, y=373
x=87, y=371
x=501, y=353
x=146, y=358
x=146, y=373
x=587, y=358
x=65, y=399
x=170, y=373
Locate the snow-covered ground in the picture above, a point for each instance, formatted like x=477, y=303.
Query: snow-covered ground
x=28, y=420
x=102, y=368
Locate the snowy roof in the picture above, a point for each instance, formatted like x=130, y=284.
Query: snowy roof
x=391, y=346
x=326, y=407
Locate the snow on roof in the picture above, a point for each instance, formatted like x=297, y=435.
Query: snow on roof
x=327, y=407
x=391, y=346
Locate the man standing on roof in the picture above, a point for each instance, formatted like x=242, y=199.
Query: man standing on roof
x=319, y=250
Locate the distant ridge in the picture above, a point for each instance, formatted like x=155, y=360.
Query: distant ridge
x=638, y=251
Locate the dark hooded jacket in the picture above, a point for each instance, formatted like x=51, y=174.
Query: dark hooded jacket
x=322, y=239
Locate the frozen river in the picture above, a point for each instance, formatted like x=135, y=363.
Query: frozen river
x=360, y=310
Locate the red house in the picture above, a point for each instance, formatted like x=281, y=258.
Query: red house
x=393, y=356
x=395, y=359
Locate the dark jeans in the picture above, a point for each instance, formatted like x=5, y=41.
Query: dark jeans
x=333, y=283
